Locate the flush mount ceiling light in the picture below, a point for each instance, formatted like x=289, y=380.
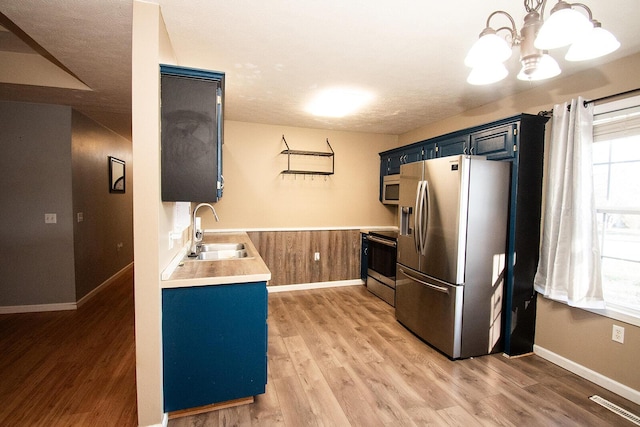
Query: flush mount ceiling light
x=338, y=102
x=565, y=26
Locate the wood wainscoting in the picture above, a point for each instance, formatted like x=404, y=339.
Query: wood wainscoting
x=290, y=255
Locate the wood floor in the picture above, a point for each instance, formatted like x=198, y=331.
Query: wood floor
x=71, y=368
x=337, y=357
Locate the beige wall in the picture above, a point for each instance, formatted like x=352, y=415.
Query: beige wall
x=585, y=338
x=258, y=196
x=580, y=336
x=149, y=216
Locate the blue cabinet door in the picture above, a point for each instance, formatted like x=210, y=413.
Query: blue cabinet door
x=496, y=143
x=214, y=341
x=391, y=161
x=429, y=151
x=192, y=118
x=394, y=161
x=453, y=146
x=413, y=154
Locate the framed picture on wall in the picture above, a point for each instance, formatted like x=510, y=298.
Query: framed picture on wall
x=116, y=175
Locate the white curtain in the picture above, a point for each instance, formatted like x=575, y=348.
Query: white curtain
x=569, y=266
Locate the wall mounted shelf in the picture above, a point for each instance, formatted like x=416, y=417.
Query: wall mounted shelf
x=289, y=152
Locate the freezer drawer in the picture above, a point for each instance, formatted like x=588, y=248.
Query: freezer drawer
x=431, y=309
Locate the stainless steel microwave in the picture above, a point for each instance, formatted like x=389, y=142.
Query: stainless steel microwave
x=390, y=189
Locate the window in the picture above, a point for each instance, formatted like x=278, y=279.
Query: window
x=616, y=174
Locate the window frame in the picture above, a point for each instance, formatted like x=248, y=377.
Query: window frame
x=617, y=312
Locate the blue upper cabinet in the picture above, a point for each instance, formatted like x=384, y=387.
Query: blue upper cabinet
x=497, y=143
x=454, y=145
x=391, y=164
x=430, y=150
x=192, y=117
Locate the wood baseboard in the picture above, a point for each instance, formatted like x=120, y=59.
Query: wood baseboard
x=212, y=407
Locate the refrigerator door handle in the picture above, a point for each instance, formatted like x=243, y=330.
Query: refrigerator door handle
x=417, y=217
x=426, y=206
x=422, y=282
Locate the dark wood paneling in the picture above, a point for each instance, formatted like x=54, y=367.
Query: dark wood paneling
x=289, y=255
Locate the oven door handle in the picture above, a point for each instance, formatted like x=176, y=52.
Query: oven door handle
x=422, y=282
x=381, y=241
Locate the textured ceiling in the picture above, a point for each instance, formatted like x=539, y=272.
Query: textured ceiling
x=278, y=54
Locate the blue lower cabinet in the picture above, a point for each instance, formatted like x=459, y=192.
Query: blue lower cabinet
x=214, y=341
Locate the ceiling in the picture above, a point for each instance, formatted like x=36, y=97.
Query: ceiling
x=277, y=55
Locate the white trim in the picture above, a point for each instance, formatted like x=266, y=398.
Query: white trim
x=616, y=314
x=104, y=284
x=620, y=104
x=164, y=423
x=588, y=374
x=316, y=285
x=36, y=308
x=249, y=230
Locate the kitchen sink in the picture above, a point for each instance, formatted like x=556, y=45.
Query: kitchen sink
x=222, y=254
x=210, y=247
x=219, y=252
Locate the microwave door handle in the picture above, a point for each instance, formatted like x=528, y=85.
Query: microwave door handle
x=422, y=282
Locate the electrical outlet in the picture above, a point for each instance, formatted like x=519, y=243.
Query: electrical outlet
x=316, y=256
x=80, y=216
x=50, y=218
x=618, y=334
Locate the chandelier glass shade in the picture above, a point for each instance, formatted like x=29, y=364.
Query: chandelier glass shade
x=565, y=26
x=487, y=73
x=490, y=48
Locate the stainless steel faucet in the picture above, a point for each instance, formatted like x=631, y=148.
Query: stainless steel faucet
x=197, y=234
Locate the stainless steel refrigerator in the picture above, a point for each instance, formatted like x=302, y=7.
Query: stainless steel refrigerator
x=451, y=252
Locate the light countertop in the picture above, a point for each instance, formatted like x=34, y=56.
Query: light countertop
x=201, y=273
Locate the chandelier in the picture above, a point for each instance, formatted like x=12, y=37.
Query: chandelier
x=565, y=26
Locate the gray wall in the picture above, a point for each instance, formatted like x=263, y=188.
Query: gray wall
x=108, y=217
x=36, y=259
x=54, y=160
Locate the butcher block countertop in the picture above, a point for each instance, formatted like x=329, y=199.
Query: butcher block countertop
x=187, y=272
